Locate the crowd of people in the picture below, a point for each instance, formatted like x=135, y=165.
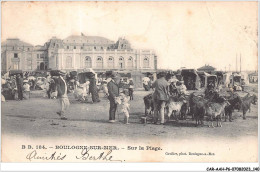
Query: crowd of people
x=112, y=88
x=115, y=89
x=58, y=86
x=15, y=88
x=118, y=91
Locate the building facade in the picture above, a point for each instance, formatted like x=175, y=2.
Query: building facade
x=18, y=55
x=76, y=53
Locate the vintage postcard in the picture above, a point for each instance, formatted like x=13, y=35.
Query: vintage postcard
x=129, y=81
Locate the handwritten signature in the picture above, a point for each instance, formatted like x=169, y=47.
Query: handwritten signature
x=34, y=155
x=85, y=155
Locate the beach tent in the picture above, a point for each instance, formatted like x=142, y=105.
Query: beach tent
x=227, y=77
x=191, y=79
x=15, y=72
x=203, y=78
x=86, y=74
x=244, y=76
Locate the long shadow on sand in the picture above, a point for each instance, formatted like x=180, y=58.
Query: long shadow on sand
x=181, y=124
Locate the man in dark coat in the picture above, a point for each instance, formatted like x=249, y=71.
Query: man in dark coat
x=160, y=96
x=131, y=89
x=113, y=92
x=62, y=94
x=19, y=82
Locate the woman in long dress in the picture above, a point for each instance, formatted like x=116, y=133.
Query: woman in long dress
x=93, y=89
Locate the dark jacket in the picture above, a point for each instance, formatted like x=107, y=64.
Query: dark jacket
x=113, y=89
x=53, y=86
x=161, y=89
x=61, y=86
x=131, y=82
x=19, y=82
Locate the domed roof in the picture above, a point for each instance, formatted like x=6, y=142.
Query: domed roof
x=87, y=40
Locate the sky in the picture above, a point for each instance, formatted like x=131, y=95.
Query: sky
x=183, y=34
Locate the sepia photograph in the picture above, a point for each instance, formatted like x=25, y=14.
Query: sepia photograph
x=129, y=81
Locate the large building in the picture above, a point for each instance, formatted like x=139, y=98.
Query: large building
x=76, y=52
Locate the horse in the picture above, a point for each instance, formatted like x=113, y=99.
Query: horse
x=173, y=106
x=246, y=103
x=233, y=101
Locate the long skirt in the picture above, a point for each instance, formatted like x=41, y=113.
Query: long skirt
x=26, y=95
x=95, y=96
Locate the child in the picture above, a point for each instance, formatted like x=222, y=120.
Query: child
x=26, y=88
x=125, y=106
x=52, y=90
x=131, y=89
x=105, y=89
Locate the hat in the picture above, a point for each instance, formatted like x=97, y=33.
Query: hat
x=61, y=72
x=113, y=74
x=121, y=94
x=162, y=74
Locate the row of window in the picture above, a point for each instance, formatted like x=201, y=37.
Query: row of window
x=20, y=48
x=40, y=65
x=88, y=63
x=110, y=63
x=39, y=56
x=95, y=48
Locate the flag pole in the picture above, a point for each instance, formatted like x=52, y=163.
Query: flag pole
x=236, y=62
x=240, y=62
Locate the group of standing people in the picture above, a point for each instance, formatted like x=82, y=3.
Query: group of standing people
x=59, y=85
x=15, y=88
x=115, y=97
x=162, y=92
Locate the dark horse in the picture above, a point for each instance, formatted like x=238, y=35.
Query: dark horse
x=230, y=108
x=246, y=103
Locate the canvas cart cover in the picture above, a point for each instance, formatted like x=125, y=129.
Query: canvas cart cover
x=128, y=75
x=244, y=76
x=86, y=70
x=15, y=72
x=212, y=79
x=237, y=79
x=191, y=79
x=73, y=74
x=109, y=73
x=203, y=78
x=41, y=74
x=84, y=76
x=226, y=78
x=220, y=76
x=54, y=73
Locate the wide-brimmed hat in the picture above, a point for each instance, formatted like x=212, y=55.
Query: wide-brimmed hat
x=121, y=94
x=61, y=72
